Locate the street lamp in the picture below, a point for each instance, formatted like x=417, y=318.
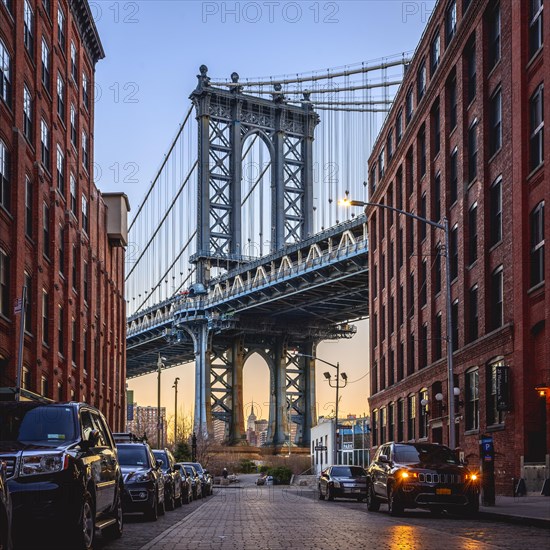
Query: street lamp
x=445, y=228
x=160, y=364
x=175, y=386
x=337, y=386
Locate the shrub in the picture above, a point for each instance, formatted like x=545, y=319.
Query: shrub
x=246, y=466
x=281, y=475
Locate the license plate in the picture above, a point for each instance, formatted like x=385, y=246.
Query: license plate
x=443, y=491
x=356, y=490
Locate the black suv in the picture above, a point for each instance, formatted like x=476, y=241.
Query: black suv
x=5, y=511
x=421, y=475
x=206, y=479
x=62, y=469
x=343, y=481
x=143, y=479
x=172, y=478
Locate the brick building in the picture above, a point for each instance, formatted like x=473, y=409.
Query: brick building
x=145, y=422
x=59, y=236
x=464, y=139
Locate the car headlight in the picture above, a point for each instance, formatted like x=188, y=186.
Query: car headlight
x=336, y=483
x=36, y=464
x=137, y=478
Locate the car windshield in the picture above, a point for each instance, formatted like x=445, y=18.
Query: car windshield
x=348, y=471
x=47, y=425
x=424, y=454
x=160, y=455
x=198, y=467
x=189, y=470
x=133, y=455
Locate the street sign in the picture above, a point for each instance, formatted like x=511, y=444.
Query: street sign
x=503, y=388
x=320, y=447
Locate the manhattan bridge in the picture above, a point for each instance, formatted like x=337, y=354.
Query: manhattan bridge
x=239, y=246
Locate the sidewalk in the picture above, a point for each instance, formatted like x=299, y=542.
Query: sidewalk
x=532, y=510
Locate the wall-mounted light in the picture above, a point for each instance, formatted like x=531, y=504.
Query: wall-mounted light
x=542, y=389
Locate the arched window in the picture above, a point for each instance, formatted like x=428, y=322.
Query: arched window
x=5, y=74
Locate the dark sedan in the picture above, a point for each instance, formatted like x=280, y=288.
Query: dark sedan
x=186, y=484
x=343, y=481
x=143, y=480
x=172, y=478
x=206, y=479
x=195, y=480
x=421, y=475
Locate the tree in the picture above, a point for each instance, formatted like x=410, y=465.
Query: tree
x=182, y=452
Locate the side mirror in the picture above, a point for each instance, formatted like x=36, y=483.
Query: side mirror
x=384, y=458
x=158, y=464
x=92, y=441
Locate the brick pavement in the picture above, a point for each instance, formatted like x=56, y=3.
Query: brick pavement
x=266, y=518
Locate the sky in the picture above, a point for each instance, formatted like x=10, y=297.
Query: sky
x=153, y=50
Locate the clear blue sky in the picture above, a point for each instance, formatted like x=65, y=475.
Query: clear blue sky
x=153, y=52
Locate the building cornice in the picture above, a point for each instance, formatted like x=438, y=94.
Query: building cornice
x=88, y=30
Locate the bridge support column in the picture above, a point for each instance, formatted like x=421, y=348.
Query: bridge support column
x=277, y=427
x=307, y=385
x=236, y=430
x=203, y=417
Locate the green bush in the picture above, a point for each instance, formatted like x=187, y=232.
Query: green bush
x=263, y=469
x=246, y=466
x=281, y=475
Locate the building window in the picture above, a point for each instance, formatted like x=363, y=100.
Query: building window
x=409, y=105
x=537, y=244
x=5, y=188
x=472, y=152
x=411, y=417
x=391, y=422
x=423, y=214
x=85, y=158
x=535, y=27
x=435, y=51
x=375, y=329
x=73, y=127
x=495, y=211
x=383, y=323
x=436, y=129
x=495, y=122
x=27, y=113
x=537, y=128
x=424, y=418
x=28, y=25
x=372, y=182
x=453, y=179
x=4, y=284
x=375, y=281
x=47, y=5
x=73, y=341
x=45, y=329
x=398, y=127
x=409, y=171
x=454, y=252
x=46, y=230
x=422, y=153
x=452, y=92
x=46, y=80
x=26, y=383
x=421, y=81
x=496, y=302
x=60, y=98
x=411, y=358
x=28, y=309
x=382, y=413
x=61, y=29
x=423, y=346
x=454, y=318
x=389, y=144
x=474, y=315
x=59, y=391
x=472, y=233
x=381, y=165
x=472, y=69
x=401, y=420
x=493, y=24
x=411, y=295
x=74, y=68
x=391, y=270
x=73, y=193
x=436, y=203
x=472, y=400
x=74, y=270
x=61, y=250
x=60, y=171
x=423, y=283
x=494, y=416
x=437, y=270
x=400, y=305
x=438, y=338
x=400, y=247
x=85, y=277
x=5, y=74
x=450, y=22
x=28, y=207
x=60, y=332
x=383, y=272
x=85, y=91
x=391, y=324
x=85, y=351
x=44, y=386
x=401, y=359
x=45, y=144
x=374, y=427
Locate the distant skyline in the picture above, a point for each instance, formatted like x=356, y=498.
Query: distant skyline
x=153, y=52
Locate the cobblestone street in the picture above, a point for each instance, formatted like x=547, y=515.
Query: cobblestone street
x=268, y=518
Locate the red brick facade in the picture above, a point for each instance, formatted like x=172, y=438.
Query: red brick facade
x=52, y=217
x=488, y=155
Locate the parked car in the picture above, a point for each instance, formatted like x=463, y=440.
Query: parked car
x=5, y=511
x=143, y=480
x=62, y=470
x=186, y=484
x=206, y=479
x=421, y=475
x=194, y=478
x=343, y=481
x=172, y=478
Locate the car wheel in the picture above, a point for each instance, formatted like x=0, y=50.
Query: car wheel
x=162, y=508
x=84, y=533
x=472, y=508
x=330, y=494
x=321, y=496
x=395, y=508
x=185, y=495
x=115, y=531
x=373, y=504
x=153, y=513
x=179, y=500
x=170, y=502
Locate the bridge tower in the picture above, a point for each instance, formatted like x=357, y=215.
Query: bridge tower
x=226, y=118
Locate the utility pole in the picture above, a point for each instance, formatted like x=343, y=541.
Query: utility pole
x=175, y=386
x=22, y=309
x=159, y=419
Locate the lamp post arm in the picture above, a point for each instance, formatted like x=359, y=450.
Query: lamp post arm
x=317, y=359
x=408, y=214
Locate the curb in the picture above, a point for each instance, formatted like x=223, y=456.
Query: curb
x=518, y=520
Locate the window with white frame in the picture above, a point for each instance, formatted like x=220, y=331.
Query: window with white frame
x=46, y=230
x=495, y=122
x=537, y=244
x=45, y=319
x=85, y=91
x=5, y=185
x=28, y=28
x=61, y=29
x=472, y=399
x=435, y=51
x=420, y=81
x=85, y=158
x=411, y=417
x=61, y=98
x=60, y=171
x=493, y=24
x=28, y=206
x=74, y=67
x=450, y=22
x=537, y=127
x=45, y=144
x=27, y=113
x=535, y=26
x=496, y=299
x=4, y=283
x=72, y=181
x=424, y=416
x=74, y=131
x=495, y=211
x=5, y=74
x=84, y=214
x=46, y=79
x=494, y=416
